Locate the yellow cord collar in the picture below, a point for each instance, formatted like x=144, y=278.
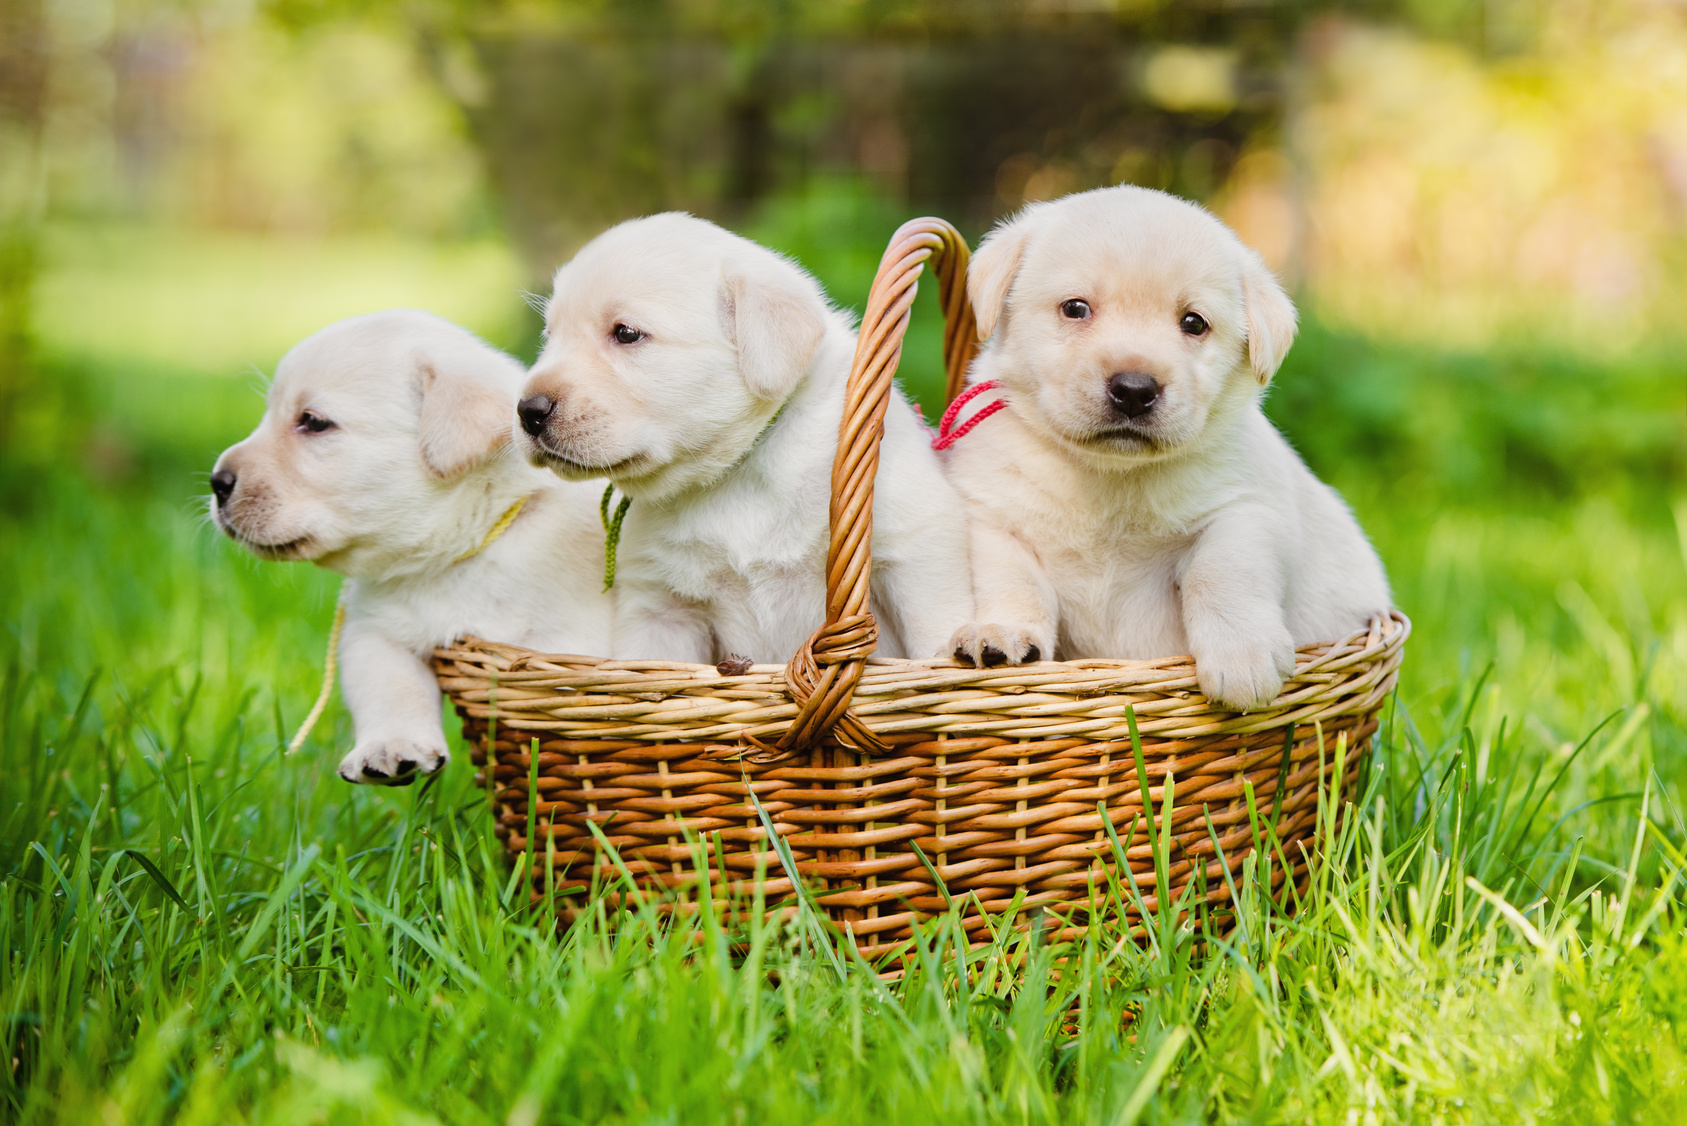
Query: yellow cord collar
x=498, y=529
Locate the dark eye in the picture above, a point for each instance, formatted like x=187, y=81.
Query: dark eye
x=313, y=423
x=626, y=334
x=1193, y=324
x=1075, y=310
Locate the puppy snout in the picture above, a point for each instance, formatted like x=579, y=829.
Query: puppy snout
x=1133, y=393
x=222, y=485
x=534, y=411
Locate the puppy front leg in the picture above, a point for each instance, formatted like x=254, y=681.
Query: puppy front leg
x=394, y=703
x=1232, y=584
x=650, y=622
x=923, y=584
x=1016, y=604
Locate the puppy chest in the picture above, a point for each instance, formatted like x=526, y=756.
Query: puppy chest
x=1115, y=601
x=755, y=560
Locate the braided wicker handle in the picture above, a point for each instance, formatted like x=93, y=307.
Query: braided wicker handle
x=822, y=675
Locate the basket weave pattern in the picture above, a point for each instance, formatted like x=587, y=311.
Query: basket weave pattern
x=898, y=785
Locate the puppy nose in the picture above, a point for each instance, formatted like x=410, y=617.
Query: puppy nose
x=533, y=412
x=222, y=485
x=1133, y=392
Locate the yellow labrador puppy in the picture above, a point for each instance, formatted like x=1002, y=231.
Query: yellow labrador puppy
x=704, y=376
x=1131, y=499
x=384, y=455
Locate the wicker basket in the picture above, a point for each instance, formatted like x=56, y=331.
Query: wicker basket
x=901, y=787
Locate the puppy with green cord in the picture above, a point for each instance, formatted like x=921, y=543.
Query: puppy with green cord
x=703, y=376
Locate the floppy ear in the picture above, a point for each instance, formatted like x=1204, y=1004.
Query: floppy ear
x=777, y=324
x=465, y=418
x=992, y=268
x=1271, y=317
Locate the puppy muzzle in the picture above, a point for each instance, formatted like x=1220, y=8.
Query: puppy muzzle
x=274, y=551
x=564, y=438
x=538, y=418
x=234, y=512
x=544, y=451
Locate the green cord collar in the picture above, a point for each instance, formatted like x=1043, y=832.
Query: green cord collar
x=611, y=531
x=612, y=522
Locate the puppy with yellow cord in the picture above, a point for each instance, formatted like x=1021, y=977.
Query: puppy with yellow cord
x=384, y=454
x=1128, y=496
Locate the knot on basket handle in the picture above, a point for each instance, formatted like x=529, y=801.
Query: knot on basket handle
x=848, y=639
x=823, y=673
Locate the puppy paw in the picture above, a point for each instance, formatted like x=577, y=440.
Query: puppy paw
x=986, y=646
x=1245, y=678
x=392, y=762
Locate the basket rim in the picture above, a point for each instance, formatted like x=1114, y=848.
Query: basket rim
x=519, y=662
x=595, y=698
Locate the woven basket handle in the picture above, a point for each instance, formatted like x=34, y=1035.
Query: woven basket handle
x=822, y=675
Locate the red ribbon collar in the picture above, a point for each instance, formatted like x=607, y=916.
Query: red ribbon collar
x=947, y=432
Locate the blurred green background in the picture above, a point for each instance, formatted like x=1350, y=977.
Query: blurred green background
x=1480, y=206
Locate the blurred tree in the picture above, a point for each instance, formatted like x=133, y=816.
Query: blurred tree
x=23, y=84
x=590, y=114
x=590, y=111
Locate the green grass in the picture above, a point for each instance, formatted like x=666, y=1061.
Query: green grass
x=194, y=928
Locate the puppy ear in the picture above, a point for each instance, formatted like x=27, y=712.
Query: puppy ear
x=465, y=418
x=1271, y=317
x=991, y=271
x=777, y=325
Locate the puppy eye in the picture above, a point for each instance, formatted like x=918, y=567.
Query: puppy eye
x=313, y=423
x=1075, y=310
x=1194, y=324
x=626, y=334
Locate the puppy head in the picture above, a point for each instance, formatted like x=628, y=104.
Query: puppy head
x=1126, y=320
x=669, y=344
x=369, y=426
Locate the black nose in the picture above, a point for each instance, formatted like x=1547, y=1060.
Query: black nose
x=222, y=485
x=533, y=412
x=1133, y=392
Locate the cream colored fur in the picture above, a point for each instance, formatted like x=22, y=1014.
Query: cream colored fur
x=414, y=472
x=724, y=547
x=1192, y=528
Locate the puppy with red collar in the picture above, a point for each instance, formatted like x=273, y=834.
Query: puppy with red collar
x=1131, y=498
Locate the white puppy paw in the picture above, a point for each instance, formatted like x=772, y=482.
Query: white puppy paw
x=392, y=762
x=1244, y=677
x=985, y=646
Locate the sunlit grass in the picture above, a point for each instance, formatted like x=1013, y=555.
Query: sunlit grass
x=355, y=953
x=352, y=953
